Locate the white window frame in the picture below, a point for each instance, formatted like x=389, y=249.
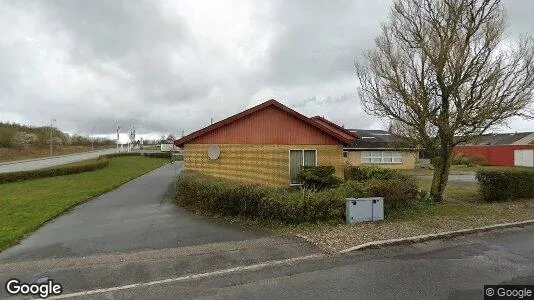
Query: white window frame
x=378, y=157
x=301, y=163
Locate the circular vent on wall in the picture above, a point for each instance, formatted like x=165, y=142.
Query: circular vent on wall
x=214, y=152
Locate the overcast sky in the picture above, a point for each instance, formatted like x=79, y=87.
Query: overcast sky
x=168, y=66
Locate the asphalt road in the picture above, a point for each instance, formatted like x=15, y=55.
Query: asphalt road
x=137, y=216
x=456, y=268
x=33, y=164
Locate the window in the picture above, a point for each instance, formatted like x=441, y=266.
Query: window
x=381, y=157
x=345, y=154
x=299, y=158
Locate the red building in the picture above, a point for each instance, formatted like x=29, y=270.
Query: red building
x=498, y=149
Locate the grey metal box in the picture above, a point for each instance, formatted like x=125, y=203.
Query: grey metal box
x=364, y=209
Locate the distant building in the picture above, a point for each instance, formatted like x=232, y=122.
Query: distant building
x=501, y=149
x=381, y=148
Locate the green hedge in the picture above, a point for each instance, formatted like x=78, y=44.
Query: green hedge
x=99, y=163
x=368, y=173
x=318, y=177
x=123, y=154
x=223, y=197
x=146, y=154
x=471, y=161
x=157, y=154
x=502, y=185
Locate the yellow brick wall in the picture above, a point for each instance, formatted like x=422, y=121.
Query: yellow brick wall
x=409, y=159
x=265, y=164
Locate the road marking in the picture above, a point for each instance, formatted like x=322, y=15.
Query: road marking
x=190, y=277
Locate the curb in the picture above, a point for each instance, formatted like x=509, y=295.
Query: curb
x=48, y=157
x=433, y=236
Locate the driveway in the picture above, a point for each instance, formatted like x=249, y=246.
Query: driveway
x=39, y=163
x=139, y=215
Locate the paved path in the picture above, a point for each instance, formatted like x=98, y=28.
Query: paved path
x=460, y=178
x=39, y=163
x=137, y=216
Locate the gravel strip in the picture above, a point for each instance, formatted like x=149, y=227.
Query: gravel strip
x=333, y=238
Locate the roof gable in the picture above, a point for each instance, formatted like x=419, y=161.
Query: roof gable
x=333, y=126
x=234, y=129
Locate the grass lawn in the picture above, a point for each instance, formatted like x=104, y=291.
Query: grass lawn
x=26, y=205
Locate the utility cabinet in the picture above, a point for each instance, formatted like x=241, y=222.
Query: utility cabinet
x=364, y=209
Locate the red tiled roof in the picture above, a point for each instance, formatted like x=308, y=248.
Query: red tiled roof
x=338, y=134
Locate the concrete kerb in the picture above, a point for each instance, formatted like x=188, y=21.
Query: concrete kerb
x=433, y=236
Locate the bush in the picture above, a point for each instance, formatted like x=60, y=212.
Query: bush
x=459, y=159
x=368, y=173
x=502, y=185
x=23, y=140
x=319, y=177
x=100, y=163
x=477, y=160
x=223, y=197
x=471, y=161
x=397, y=192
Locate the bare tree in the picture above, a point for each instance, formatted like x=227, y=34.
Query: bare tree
x=23, y=140
x=444, y=73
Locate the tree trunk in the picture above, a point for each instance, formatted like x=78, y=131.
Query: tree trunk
x=442, y=166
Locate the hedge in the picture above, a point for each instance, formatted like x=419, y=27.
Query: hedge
x=318, y=177
x=367, y=173
x=99, y=163
x=503, y=185
x=471, y=161
x=146, y=154
x=228, y=198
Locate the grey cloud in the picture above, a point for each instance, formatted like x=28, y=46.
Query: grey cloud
x=138, y=62
x=319, y=40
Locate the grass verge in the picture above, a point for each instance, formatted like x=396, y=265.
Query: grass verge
x=27, y=205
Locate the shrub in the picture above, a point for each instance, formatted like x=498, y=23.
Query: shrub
x=224, y=197
x=459, y=159
x=502, y=185
x=367, y=173
x=475, y=160
x=319, y=177
x=397, y=192
x=23, y=140
x=99, y=163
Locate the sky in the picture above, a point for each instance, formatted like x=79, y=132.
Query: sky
x=170, y=66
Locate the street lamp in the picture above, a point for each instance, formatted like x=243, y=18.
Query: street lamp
x=51, y=128
x=92, y=138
